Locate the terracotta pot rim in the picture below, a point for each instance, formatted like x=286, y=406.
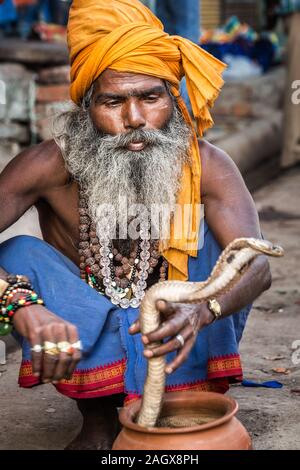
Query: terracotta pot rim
x=131, y=411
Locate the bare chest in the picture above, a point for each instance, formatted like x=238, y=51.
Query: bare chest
x=59, y=220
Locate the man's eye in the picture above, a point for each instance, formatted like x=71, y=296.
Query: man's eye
x=113, y=104
x=151, y=98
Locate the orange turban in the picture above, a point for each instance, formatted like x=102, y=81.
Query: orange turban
x=125, y=36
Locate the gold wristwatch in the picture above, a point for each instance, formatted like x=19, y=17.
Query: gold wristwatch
x=215, y=308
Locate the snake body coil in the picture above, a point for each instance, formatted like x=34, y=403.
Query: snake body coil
x=226, y=273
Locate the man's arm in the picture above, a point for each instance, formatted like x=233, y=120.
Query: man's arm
x=23, y=182
x=26, y=179
x=230, y=213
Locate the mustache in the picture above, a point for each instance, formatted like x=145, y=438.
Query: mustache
x=150, y=137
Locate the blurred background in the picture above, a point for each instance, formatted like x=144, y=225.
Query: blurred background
x=257, y=122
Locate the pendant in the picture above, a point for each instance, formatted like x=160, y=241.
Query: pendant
x=120, y=292
x=129, y=294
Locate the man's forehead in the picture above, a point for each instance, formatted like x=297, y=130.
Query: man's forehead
x=111, y=81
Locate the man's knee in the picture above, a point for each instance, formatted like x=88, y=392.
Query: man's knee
x=25, y=253
x=20, y=247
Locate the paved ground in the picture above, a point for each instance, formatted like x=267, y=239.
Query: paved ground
x=273, y=416
x=41, y=419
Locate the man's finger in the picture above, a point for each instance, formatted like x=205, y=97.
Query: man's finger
x=50, y=356
x=64, y=358
x=181, y=356
x=35, y=339
x=135, y=328
x=168, y=328
x=76, y=356
x=173, y=345
x=75, y=359
x=166, y=308
x=174, y=321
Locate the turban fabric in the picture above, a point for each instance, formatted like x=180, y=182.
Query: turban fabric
x=125, y=36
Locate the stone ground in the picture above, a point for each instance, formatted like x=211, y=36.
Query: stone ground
x=42, y=419
x=273, y=416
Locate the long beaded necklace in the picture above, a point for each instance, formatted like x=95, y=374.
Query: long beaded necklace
x=126, y=283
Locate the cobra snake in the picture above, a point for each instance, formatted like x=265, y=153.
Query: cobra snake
x=232, y=262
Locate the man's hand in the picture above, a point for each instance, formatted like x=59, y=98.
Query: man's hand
x=37, y=325
x=177, y=319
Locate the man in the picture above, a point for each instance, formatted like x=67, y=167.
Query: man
x=128, y=135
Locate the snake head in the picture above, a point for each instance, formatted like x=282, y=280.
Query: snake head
x=266, y=247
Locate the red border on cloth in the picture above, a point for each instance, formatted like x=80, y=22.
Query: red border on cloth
x=224, y=366
x=84, y=383
x=218, y=386
x=109, y=379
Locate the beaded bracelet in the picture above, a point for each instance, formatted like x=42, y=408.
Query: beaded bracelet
x=16, y=280
x=22, y=302
x=6, y=299
x=11, y=288
x=7, y=313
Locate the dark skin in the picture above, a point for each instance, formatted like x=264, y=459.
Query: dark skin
x=120, y=103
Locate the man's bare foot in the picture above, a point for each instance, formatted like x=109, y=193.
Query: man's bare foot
x=100, y=423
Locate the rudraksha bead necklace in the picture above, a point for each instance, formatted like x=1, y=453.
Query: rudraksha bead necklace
x=124, y=283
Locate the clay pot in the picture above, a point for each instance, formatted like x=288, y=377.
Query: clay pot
x=221, y=431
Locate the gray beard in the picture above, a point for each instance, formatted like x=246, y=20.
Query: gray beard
x=111, y=176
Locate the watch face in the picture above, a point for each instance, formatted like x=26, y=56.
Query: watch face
x=214, y=307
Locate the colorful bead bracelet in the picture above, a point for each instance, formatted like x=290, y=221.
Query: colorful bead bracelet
x=31, y=299
x=11, y=288
x=18, y=284
x=9, y=295
x=7, y=313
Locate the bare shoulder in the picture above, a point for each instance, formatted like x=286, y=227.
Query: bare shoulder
x=229, y=207
x=218, y=168
x=29, y=177
x=41, y=166
x=209, y=151
x=45, y=161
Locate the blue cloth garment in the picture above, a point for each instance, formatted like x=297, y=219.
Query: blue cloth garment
x=113, y=360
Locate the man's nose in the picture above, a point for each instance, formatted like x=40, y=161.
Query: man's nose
x=133, y=116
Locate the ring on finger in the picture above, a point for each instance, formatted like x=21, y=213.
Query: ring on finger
x=65, y=347
x=180, y=338
x=49, y=345
x=37, y=348
x=77, y=345
x=52, y=351
x=51, y=348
